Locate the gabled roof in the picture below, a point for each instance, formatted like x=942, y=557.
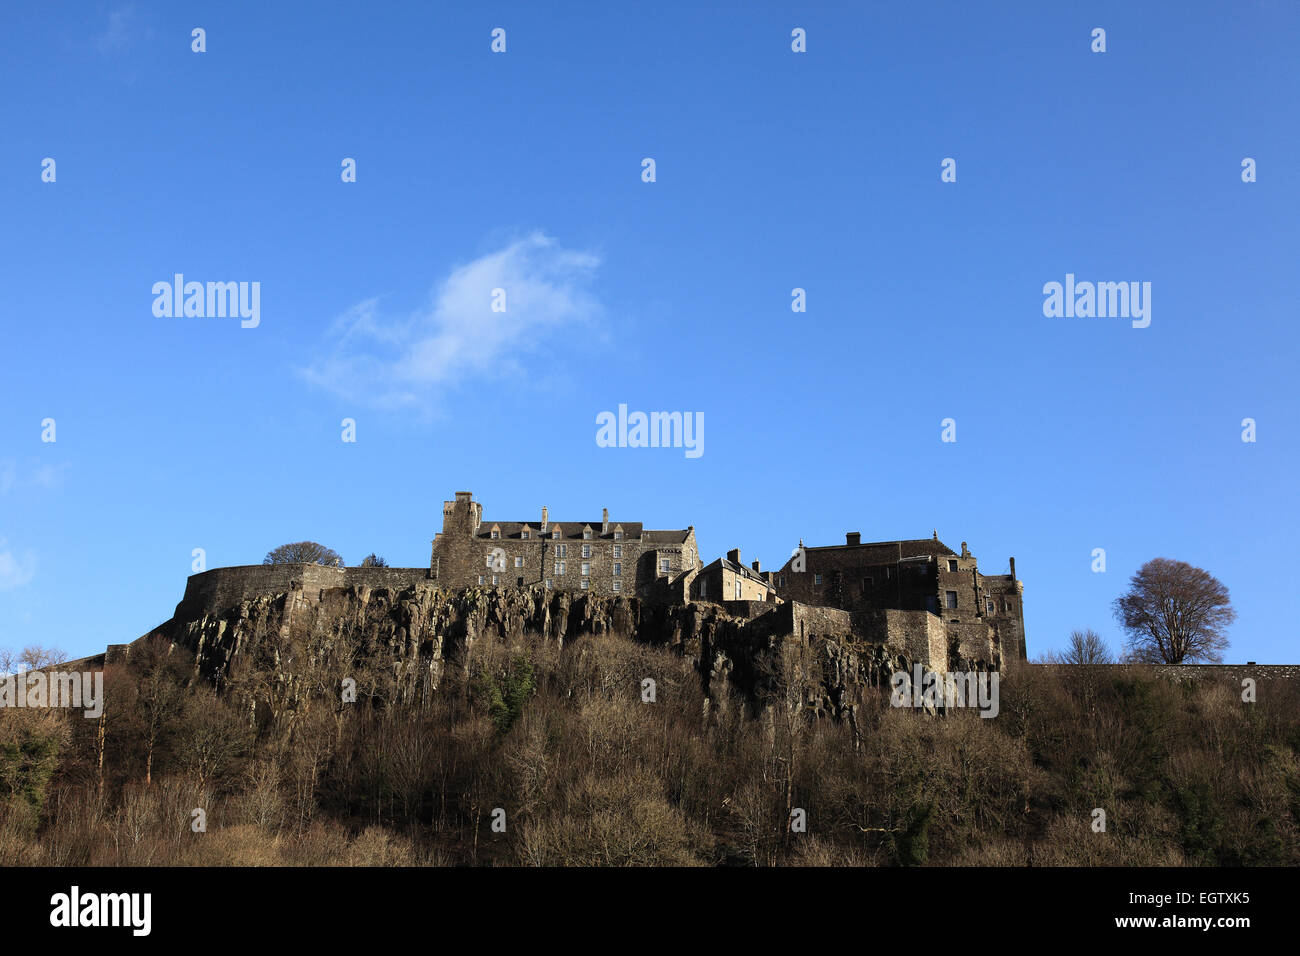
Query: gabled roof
x=569, y=529
x=737, y=569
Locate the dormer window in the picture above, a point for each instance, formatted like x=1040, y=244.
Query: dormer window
x=525, y=534
x=556, y=533
x=618, y=532
x=586, y=533
x=495, y=533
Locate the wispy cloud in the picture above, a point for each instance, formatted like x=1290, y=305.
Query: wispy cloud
x=29, y=475
x=390, y=360
x=15, y=570
x=117, y=35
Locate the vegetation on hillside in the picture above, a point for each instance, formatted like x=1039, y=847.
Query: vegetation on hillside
x=589, y=774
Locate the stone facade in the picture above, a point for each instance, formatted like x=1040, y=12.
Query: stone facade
x=727, y=579
x=600, y=557
x=983, y=615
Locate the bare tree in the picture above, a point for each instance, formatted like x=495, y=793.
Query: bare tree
x=373, y=560
x=1086, y=647
x=1175, y=614
x=30, y=658
x=303, y=552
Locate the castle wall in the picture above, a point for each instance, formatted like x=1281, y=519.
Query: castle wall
x=220, y=588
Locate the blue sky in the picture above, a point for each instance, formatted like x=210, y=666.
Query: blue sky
x=774, y=170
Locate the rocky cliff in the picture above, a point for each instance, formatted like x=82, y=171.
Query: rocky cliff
x=402, y=642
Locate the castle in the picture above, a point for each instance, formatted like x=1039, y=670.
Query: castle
x=922, y=583
x=915, y=598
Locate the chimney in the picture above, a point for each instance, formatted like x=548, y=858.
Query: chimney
x=604, y=521
x=853, y=537
x=734, y=555
x=543, y=517
x=756, y=567
x=1013, y=569
x=965, y=551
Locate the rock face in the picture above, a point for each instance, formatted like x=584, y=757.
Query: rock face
x=292, y=636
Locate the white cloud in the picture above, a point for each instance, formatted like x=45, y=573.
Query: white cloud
x=32, y=474
x=116, y=38
x=15, y=571
x=397, y=360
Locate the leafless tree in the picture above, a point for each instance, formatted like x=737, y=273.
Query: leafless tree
x=1086, y=647
x=29, y=658
x=1175, y=613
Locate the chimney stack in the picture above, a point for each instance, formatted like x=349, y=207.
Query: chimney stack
x=853, y=537
x=756, y=567
x=604, y=521
x=1013, y=569
x=734, y=555
x=543, y=517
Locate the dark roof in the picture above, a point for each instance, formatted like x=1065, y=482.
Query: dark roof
x=737, y=569
x=665, y=537
x=910, y=547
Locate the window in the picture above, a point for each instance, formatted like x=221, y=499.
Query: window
x=663, y=566
x=586, y=583
x=495, y=580
x=952, y=564
x=562, y=550
x=780, y=581
x=817, y=579
x=586, y=550
x=618, y=568
x=586, y=568
x=480, y=579
x=950, y=599
x=618, y=585
x=496, y=534
x=618, y=535
x=548, y=584
x=618, y=551
x=737, y=589
x=990, y=605
x=704, y=587
x=559, y=567
x=555, y=533
x=526, y=535
x=519, y=562
x=586, y=534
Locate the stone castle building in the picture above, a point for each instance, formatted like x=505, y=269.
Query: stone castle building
x=916, y=599
x=921, y=575
x=601, y=557
x=921, y=585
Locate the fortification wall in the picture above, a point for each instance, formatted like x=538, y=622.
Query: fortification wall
x=219, y=588
x=1225, y=672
